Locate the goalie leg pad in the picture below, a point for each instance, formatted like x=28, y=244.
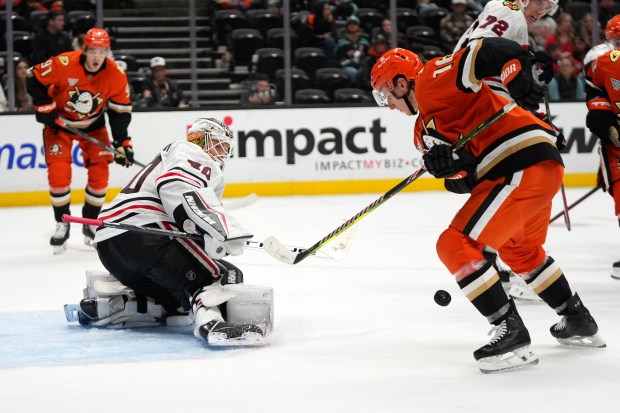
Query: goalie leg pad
x=252, y=304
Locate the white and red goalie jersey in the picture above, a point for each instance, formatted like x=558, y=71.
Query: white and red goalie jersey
x=155, y=194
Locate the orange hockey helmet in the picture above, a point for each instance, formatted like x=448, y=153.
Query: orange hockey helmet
x=394, y=63
x=97, y=38
x=612, y=30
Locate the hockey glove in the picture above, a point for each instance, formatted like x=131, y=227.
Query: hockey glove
x=518, y=79
x=125, y=157
x=460, y=186
x=544, y=66
x=48, y=119
x=219, y=249
x=441, y=161
x=599, y=122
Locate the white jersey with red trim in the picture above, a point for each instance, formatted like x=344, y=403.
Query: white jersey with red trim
x=153, y=195
x=498, y=19
x=596, y=51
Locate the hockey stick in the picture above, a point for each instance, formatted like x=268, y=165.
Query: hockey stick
x=277, y=250
x=577, y=202
x=238, y=203
x=564, y=203
x=89, y=138
x=158, y=232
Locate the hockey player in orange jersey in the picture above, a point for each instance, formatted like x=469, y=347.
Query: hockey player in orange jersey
x=512, y=171
x=78, y=87
x=603, y=100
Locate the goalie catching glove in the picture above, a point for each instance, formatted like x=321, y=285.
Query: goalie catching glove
x=223, y=234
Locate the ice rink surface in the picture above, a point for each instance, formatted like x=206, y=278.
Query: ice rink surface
x=358, y=335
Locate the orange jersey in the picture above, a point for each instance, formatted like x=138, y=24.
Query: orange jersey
x=453, y=100
x=79, y=97
x=603, y=82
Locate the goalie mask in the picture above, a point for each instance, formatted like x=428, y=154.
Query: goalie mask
x=214, y=137
x=394, y=64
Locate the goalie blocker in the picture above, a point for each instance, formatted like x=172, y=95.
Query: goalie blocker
x=203, y=214
x=109, y=304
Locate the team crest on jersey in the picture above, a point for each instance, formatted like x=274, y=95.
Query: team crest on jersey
x=614, y=55
x=615, y=84
x=83, y=103
x=190, y=275
x=73, y=81
x=64, y=60
x=55, y=149
x=511, y=5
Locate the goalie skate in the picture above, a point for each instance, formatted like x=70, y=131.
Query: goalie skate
x=615, y=271
x=60, y=237
x=221, y=333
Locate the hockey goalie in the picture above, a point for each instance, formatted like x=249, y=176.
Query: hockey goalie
x=155, y=280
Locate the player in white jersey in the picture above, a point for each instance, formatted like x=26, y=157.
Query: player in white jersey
x=508, y=19
x=180, y=189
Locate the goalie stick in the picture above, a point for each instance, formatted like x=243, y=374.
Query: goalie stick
x=86, y=136
x=238, y=203
x=277, y=250
x=158, y=232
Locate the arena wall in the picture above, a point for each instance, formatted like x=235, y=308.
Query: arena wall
x=300, y=151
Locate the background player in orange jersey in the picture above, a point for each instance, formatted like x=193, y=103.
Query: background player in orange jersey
x=78, y=87
x=513, y=170
x=603, y=100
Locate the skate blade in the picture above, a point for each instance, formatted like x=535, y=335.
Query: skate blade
x=59, y=249
x=517, y=359
x=615, y=274
x=525, y=296
x=89, y=241
x=246, y=340
x=595, y=341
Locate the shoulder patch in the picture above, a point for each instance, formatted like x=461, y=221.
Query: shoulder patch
x=511, y=5
x=614, y=55
x=64, y=60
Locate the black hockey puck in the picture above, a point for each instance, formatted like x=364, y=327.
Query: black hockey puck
x=442, y=298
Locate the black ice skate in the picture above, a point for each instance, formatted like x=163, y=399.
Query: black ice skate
x=508, y=349
x=60, y=237
x=615, y=271
x=89, y=235
x=577, y=327
x=222, y=333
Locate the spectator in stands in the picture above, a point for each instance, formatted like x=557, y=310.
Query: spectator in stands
x=23, y=100
x=380, y=45
x=51, y=40
x=580, y=50
x=386, y=30
x=541, y=30
x=585, y=30
x=425, y=5
x=318, y=30
x=352, y=47
x=342, y=9
x=566, y=85
x=564, y=33
x=159, y=90
x=132, y=92
x=260, y=91
x=605, y=11
x=452, y=27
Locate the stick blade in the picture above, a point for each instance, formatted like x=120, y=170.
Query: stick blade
x=339, y=247
x=278, y=251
